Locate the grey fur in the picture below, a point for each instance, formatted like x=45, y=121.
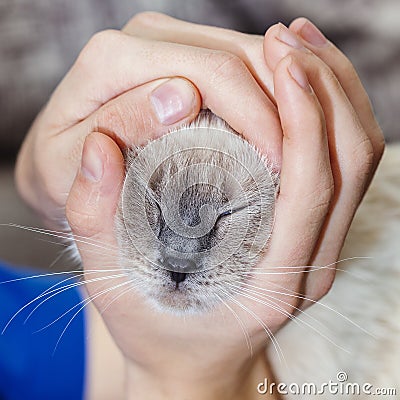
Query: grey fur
x=174, y=215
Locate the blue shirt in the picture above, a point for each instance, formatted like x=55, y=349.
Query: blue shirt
x=39, y=362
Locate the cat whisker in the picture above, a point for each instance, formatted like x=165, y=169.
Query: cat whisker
x=130, y=288
x=48, y=231
x=52, y=293
x=273, y=306
x=49, y=289
x=270, y=335
x=60, y=255
x=49, y=274
x=102, y=291
x=67, y=287
x=303, y=297
x=75, y=255
x=311, y=268
x=87, y=301
x=64, y=235
x=316, y=266
x=240, y=322
x=291, y=316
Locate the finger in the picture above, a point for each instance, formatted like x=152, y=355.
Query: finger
x=135, y=117
x=91, y=211
x=157, y=26
x=306, y=184
x=132, y=118
x=114, y=62
x=349, y=145
x=341, y=66
x=146, y=112
x=93, y=199
x=306, y=189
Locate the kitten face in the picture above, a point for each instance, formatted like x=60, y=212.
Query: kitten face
x=195, y=215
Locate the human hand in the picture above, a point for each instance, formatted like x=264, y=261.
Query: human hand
x=355, y=139
x=134, y=89
x=324, y=175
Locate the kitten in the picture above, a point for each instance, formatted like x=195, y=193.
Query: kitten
x=196, y=213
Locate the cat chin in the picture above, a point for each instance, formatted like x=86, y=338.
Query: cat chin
x=180, y=302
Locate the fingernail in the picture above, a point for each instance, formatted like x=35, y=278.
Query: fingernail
x=173, y=100
x=310, y=33
x=299, y=76
x=92, y=161
x=288, y=37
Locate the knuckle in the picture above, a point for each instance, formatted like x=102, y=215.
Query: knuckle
x=319, y=120
x=44, y=154
x=251, y=45
x=379, y=145
x=97, y=47
x=250, y=48
x=362, y=163
x=321, y=198
x=224, y=66
x=325, y=283
x=323, y=72
x=103, y=38
x=348, y=70
x=146, y=18
x=317, y=202
x=327, y=193
x=82, y=223
x=120, y=119
x=364, y=155
x=341, y=64
x=328, y=76
x=110, y=119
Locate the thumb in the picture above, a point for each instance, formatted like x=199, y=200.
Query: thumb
x=93, y=199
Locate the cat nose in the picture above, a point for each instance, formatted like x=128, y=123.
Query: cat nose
x=179, y=268
x=176, y=264
x=178, y=277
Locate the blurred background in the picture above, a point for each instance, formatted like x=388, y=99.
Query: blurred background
x=40, y=39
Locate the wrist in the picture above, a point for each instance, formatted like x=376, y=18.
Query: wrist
x=179, y=363
x=231, y=380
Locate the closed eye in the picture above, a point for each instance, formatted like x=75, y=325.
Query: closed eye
x=153, y=199
x=225, y=213
x=229, y=212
